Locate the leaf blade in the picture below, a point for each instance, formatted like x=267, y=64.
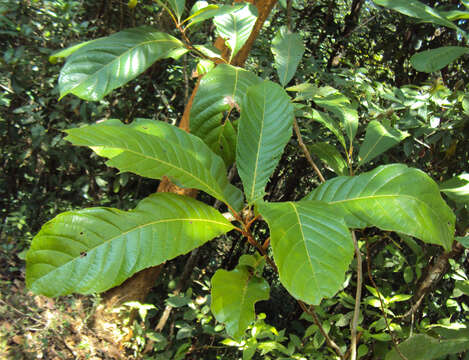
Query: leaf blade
x=234, y=294
x=312, y=247
x=220, y=90
x=105, y=64
x=393, y=198
x=288, y=50
x=378, y=139
x=94, y=249
x=264, y=129
x=235, y=27
x=155, y=149
x=436, y=59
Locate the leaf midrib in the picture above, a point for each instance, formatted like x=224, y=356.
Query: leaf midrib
x=115, y=59
x=125, y=233
x=219, y=194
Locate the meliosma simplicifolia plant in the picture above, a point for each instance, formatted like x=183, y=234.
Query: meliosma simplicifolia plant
x=312, y=240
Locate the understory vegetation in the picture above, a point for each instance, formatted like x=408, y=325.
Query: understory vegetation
x=187, y=179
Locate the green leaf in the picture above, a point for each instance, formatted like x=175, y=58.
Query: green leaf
x=457, y=188
x=418, y=10
x=95, y=249
x=234, y=294
x=264, y=129
x=178, y=7
x=463, y=240
x=378, y=139
x=392, y=198
x=53, y=59
x=334, y=102
x=453, y=15
x=312, y=247
x=105, y=64
x=220, y=90
x=288, y=49
x=330, y=156
x=436, y=59
x=155, y=149
x=424, y=347
x=330, y=124
x=210, y=11
x=235, y=27
x=339, y=105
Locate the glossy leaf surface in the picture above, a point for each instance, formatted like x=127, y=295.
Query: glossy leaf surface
x=378, y=139
x=235, y=27
x=312, y=247
x=393, y=198
x=418, y=10
x=457, y=188
x=234, y=294
x=177, y=6
x=61, y=54
x=220, y=90
x=264, y=129
x=436, y=59
x=288, y=49
x=155, y=149
x=105, y=64
x=95, y=249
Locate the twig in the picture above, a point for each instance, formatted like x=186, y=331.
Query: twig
x=306, y=152
x=289, y=8
x=185, y=274
x=329, y=341
x=370, y=276
x=186, y=79
x=358, y=296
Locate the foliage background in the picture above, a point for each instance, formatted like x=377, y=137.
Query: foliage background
x=365, y=55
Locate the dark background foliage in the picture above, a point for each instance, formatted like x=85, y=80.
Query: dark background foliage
x=353, y=46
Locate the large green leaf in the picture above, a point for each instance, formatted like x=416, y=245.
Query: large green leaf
x=220, y=90
x=235, y=27
x=95, y=249
x=234, y=294
x=424, y=347
x=155, y=149
x=418, y=10
x=264, y=129
x=312, y=247
x=105, y=64
x=288, y=49
x=393, y=198
x=457, y=188
x=436, y=59
x=378, y=139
